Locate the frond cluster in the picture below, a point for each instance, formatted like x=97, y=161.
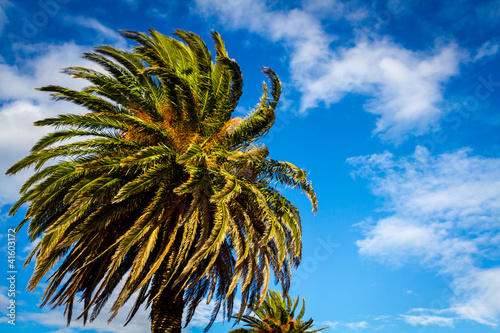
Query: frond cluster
x=159, y=183
x=277, y=315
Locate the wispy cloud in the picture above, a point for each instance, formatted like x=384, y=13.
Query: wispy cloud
x=161, y=12
x=104, y=33
x=428, y=320
x=488, y=49
x=26, y=251
x=361, y=325
x=331, y=324
x=64, y=330
x=3, y=16
x=405, y=87
x=480, y=292
x=443, y=213
x=355, y=326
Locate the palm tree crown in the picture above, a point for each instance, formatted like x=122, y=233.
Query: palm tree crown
x=277, y=315
x=165, y=197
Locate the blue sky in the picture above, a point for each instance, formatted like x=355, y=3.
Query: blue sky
x=392, y=107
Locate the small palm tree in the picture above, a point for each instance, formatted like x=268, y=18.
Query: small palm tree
x=160, y=193
x=277, y=315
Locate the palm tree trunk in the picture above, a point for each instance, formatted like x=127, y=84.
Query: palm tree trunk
x=166, y=312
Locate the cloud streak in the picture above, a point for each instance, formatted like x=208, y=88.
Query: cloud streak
x=488, y=49
x=428, y=320
x=3, y=16
x=104, y=33
x=355, y=326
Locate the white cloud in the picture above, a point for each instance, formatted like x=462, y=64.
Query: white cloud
x=382, y=317
x=488, y=49
x=41, y=66
x=428, y=320
x=296, y=25
x=455, y=186
x=357, y=326
x=397, y=240
x=443, y=213
x=405, y=87
x=480, y=292
x=21, y=104
x=26, y=251
x=17, y=135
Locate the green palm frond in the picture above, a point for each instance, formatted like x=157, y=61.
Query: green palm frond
x=276, y=314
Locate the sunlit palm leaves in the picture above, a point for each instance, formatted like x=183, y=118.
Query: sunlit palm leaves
x=164, y=192
x=277, y=314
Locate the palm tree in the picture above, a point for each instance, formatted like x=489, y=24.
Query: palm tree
x=277, y=315
x=165, y=197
